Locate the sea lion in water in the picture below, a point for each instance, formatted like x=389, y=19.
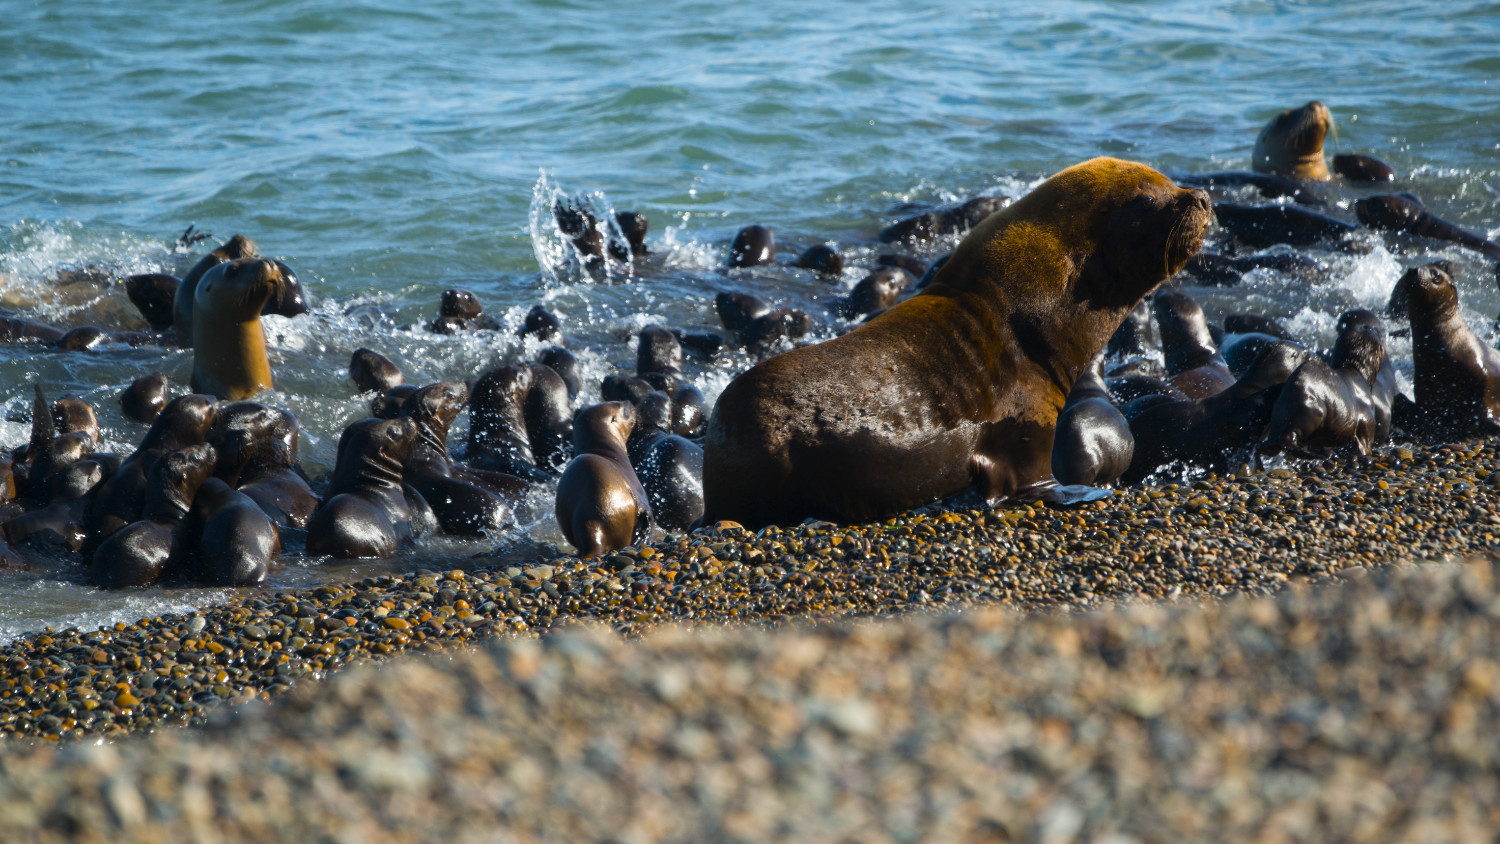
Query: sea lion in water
x=877, y=291
x=1456, y=377
x=930, y=226
x=1363, y=168
x=601, y=504
x=543, y=325
x=1405, y=213
x=374, y=372
x=154, y=295
x=1261, y=226
x=737, y=310
x=144, y=399
x=822, y=259
x=1292, y=143
x=565, y=364
x=364, y=512
x=498, y=430
x=462, y=507
x=229, y=343
x=753, y=246
x=1346, y=350
x=1194, y=364
x=225, y=539
x=185, y=298
x=963, y=381
x=1092, y=445
x=658, y=358
x=257, y=448
x=633, y=224
x=137, y=554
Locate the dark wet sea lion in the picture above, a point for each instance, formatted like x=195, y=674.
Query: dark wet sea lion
x=543, y=325
x=617, y=387
x=1292, y=143
x=72, y=413
x=702, y=344
x=689, y=411
x=184, y=301
x=944, y=221
x=769, y=329
x=658, y=357
x=257, y=448
x=1257, y=324
x=963, y=381
x=1270, y=185
x=577, y=223
x=460, y=303
x=1147, y=366
x=144, y=399
x=364, y=512
x=14, y=330
x=225, y=540
x=1134, y=336
x=669, y=467
x=1241, y=350
x=229, y=343
x=185, y=421
x=633, y=224
x=1211, y=270
x=1405, y=213
x=388, y=404
x=290, y=299
x=137, y=554
x=1127, y=388
x=153, y=295
x=1363, y=168
x=1260, y=226
x=1317, y=411
x=1092, y=445
x=1193, y=362
x=1204, y=430
x=462, y=507
x=822, y=259
x=753, y=246
x=601, y=504
x=549, y=417
x=1347, y=352
x=1456, y=377
x=737, y=310
x=564, y=363
x=498, y=438
x=372, y=371
x=880, y=289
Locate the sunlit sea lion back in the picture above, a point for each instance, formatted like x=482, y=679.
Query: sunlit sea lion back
x=963, y=381
x=1292, y=143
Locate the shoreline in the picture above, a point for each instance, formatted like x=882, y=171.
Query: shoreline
x=1211, y=537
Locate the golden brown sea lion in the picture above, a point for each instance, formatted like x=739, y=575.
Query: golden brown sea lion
x=229, y=344
x=601, y=504
x=963, y=381
x=1292, y=143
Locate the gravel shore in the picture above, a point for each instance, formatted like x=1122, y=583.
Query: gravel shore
x=1356, y=711
x=1063, y=724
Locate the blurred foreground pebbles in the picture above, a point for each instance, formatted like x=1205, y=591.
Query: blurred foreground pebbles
x=1357, y=711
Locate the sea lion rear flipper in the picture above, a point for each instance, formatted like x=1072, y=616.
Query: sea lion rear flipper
x=1063, y=495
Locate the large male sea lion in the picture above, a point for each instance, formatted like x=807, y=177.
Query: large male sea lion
x=229, y=343
x=1292, y=143
x=964, y=380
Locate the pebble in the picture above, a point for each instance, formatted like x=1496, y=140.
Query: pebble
x=1213, y=536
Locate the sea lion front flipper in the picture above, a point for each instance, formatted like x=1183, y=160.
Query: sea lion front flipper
x=1063, y=495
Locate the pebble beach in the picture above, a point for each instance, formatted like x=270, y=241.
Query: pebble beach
x=973, y=609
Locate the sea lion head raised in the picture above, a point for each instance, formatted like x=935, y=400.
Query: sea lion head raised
x=229, y=344
x=1292, y=143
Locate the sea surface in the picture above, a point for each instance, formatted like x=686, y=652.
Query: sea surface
x=388, y=151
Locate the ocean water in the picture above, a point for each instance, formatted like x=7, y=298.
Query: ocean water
x=388, y=152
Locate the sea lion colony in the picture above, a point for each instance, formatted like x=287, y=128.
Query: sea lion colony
x=1044, y=411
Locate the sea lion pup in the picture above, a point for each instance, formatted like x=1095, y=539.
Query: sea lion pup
x=185, y=421
x=462, y=507
x=753, y=246
x=669, y=466
x=1092, y=445
x=633, y=224
x=1261, y=226
x=1134, y=336
x=138, y=554
x=16, y=330
x=543, y=325
x=1241, y=350
x=1270, y=185
x=1456, y=377
x=549, y=418
x=601, y=504
x=229, y=343
x=153, y=294
x=705, y=345
x=577, y=223
x=912, y=264
x=877, y=291
x=565, y=364
x=767, y=330
x=821, y=259
x=1204, y=430
x=962, y=381
x=184, y=300
x=364, y=512
x=1127, y=388
x=1256, y=324
x=460, y=310
x=1320, y=409
x=1194, y=364
x=290, y=299
x=1212, y=270
x=737, y=310
x=388, y=404
x=72, y=413
x=924, y=228
x=617, y=387
x=144, y=399
x=1346, y=351
x=225, y=540
x=498, y=439
x=1292, y=143
x=1405, y=213
x=373, y=372
x=658, y=358
x=1363, y=168
x=257, y=449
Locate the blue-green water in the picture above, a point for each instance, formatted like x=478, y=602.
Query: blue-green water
x=388, y=151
